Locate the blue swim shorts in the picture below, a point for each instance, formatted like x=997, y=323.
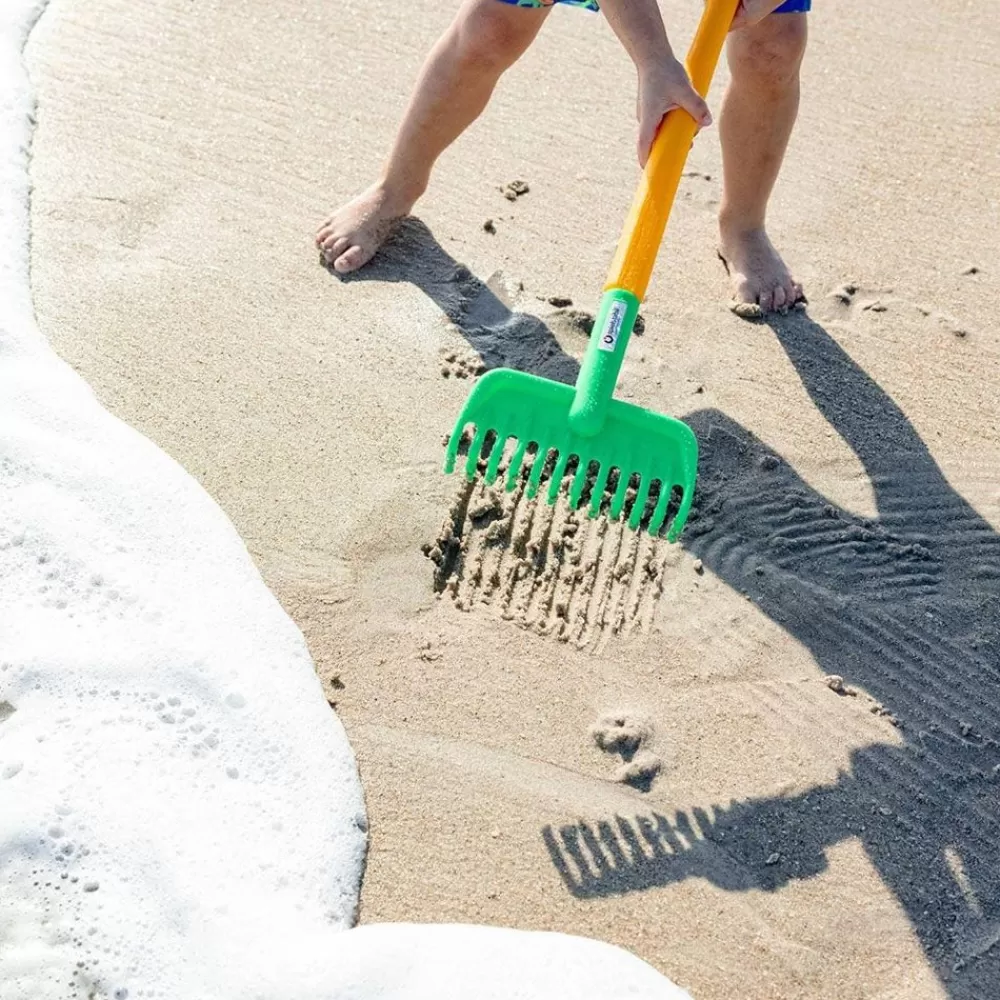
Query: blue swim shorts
x=789, y=7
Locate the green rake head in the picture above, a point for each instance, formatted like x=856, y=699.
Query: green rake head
x=521, y=415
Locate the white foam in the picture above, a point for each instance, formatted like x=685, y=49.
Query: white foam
x=180, y=813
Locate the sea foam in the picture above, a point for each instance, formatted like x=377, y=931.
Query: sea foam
x=180, y=811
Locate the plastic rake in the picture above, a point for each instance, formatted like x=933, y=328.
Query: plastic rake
x=582, y=434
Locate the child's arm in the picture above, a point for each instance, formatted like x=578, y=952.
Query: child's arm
x=663, y=82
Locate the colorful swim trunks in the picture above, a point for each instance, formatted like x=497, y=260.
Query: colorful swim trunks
x=789, y=7
x=586, y=4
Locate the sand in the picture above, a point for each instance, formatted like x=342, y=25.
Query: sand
x=795, y=841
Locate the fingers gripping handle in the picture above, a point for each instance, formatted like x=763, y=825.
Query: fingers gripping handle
x=647, y=220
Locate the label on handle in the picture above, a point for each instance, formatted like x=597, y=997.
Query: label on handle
x=613, y=326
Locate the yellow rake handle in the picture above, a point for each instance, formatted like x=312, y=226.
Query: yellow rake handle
x=647, y=219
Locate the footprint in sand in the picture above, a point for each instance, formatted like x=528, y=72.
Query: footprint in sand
x=627, y=735
x=850, y=300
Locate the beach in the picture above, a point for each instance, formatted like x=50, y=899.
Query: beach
x=813, y=669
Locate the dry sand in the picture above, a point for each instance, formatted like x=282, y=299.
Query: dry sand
x=797, y=840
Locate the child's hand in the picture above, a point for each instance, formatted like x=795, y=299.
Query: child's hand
x=750, y=12
x=662, y=88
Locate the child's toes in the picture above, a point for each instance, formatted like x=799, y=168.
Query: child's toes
x=779, y=298
x=333, y=246
x=351, y=259
x=745, y=291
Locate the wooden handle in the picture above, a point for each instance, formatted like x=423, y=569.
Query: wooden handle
x=647, y=219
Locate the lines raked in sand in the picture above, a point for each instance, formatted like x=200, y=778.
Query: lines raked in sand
x=546, y=567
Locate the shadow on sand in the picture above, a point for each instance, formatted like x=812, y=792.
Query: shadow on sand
x=905, y=606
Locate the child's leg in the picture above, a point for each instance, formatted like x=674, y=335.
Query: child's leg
x=756, y=121
x=486, y=38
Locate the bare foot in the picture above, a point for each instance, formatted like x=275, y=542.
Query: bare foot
x=352, y=235
x=761, y=281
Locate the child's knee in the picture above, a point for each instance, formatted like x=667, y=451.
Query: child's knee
x=770, y=53
x=494, y=34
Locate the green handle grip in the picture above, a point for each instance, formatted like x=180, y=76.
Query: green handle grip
x=595, y=385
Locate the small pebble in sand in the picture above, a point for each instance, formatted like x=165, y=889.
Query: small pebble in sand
x=836, y=683
x=971, y=269
x=768, y=463
x=883, y=713
x=490, y=227
x=698, y=566
x=514, y=190
x=559, y=301
x=772, y=859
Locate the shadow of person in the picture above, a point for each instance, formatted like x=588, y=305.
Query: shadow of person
x=481, y=311
x=906, y=607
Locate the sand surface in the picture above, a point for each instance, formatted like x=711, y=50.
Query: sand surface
x=798, y=840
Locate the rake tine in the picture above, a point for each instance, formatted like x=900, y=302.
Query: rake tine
x=515, y=464
x=618, y=500
x=537, y=468
x=579, y=481
x=600, y=481
x=472, y=459
x=682, y=512
x=660, y=510
x=496, y=457
x=557, y=475
x=452, y=452
x=641, y=498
